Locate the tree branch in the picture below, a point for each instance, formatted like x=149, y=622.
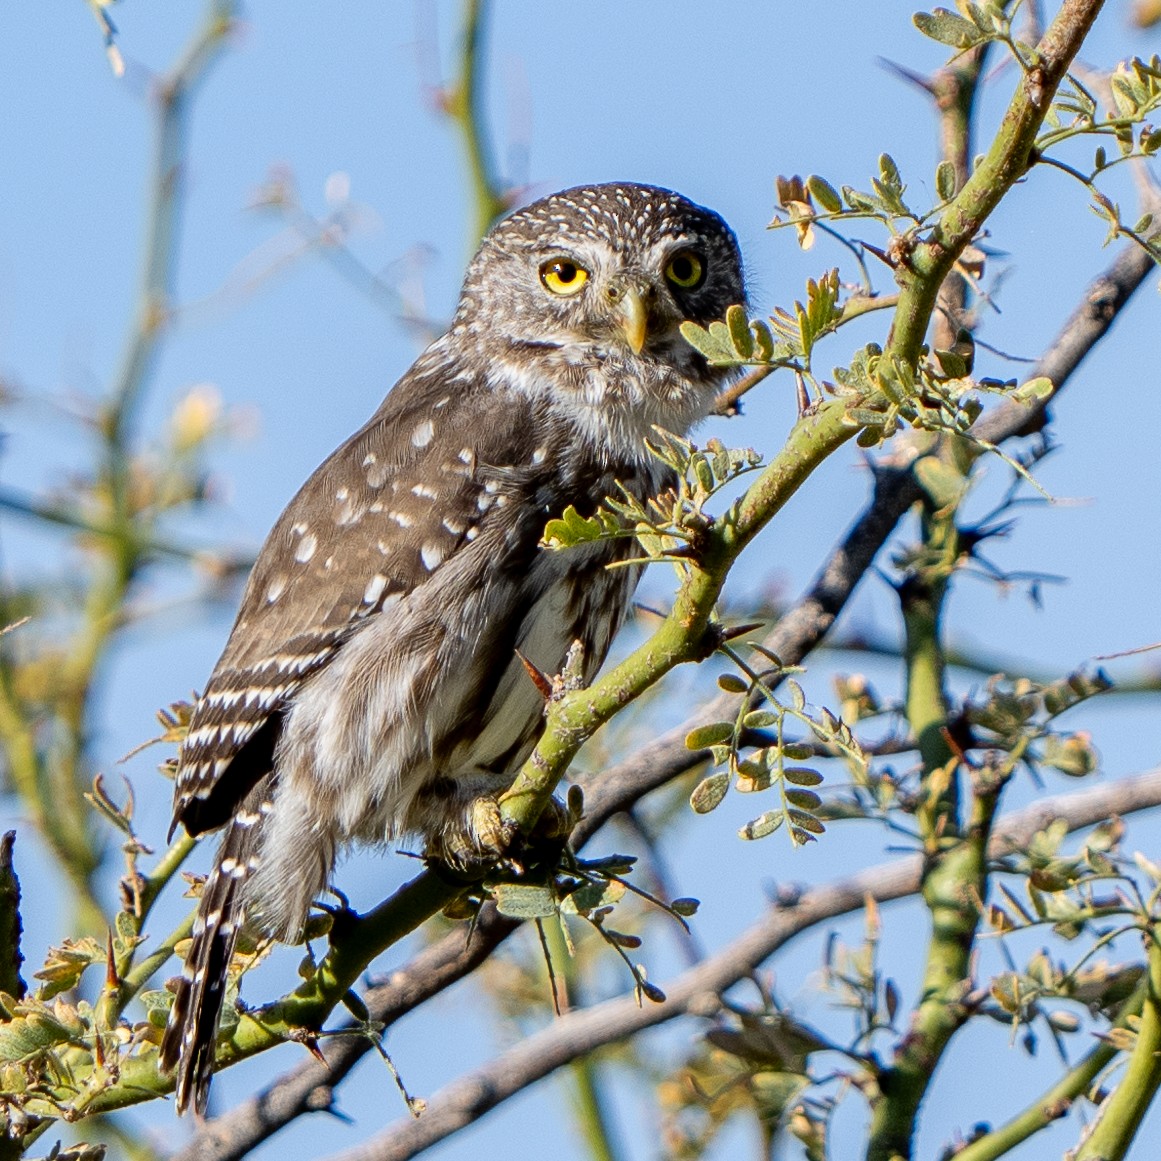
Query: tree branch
x=1057, y=1101
x=696, y=991
x=1120, y=1115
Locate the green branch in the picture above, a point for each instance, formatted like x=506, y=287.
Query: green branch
x=1121, y=1114
x=921, y=275
x=1058, y=1100
x=953, y=888
x=464, y=104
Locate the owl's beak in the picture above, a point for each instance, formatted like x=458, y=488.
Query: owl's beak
x=632, y=318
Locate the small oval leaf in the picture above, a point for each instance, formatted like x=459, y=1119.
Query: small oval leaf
x=711, y=735
x=709, y=792
x=763, y=825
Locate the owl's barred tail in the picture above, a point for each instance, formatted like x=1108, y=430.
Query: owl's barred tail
x=188, y=1045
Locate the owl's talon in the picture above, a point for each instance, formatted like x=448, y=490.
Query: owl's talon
x=488, y=840
x=492, y=833
x=481, y=841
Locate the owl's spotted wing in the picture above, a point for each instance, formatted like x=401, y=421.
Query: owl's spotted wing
x=421, y=480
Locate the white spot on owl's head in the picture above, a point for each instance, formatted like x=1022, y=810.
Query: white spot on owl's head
x=423, y=434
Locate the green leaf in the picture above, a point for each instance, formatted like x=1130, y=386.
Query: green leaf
x=801, y=775
x=760, y=719
x=37, y=1027
x=157, y=1005
x=702, y=473
x=524, y=900
x=65, y=964
x=797, y=752
x=621, y=939
x=709, y=792
x=803, y=799
x=763, y=825
x=732, y=683
x=763, y=340
x=740, y=335
x=705, y=736
x=948, y=28
x=1073, y=755
x=650, y=991
x=713, y=343
x=685, y=906
x=1034, y=391
x=590, y=897
x=825, y=194
x=806, y=821
x=572, y=528
x=945, y=180
x=865, y=417
x=951, y=363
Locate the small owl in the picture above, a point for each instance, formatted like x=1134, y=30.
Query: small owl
x=372, y=685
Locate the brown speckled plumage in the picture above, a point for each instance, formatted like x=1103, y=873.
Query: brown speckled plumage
x=371, y=687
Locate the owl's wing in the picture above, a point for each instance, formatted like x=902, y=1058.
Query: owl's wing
x=427, y=474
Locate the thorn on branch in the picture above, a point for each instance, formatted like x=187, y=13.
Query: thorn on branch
x=539, y=678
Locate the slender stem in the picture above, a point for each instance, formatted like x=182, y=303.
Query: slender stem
x=1121, y=1114
x=464, y=103
x=44, y=512
x=1006, y=161
x=1056, y=1102
x=956, y=873
x=11, y=927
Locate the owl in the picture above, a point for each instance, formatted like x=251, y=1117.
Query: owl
x=372, y=686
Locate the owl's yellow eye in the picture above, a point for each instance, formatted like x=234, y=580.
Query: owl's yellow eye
x=563, y=276
x=684, y=269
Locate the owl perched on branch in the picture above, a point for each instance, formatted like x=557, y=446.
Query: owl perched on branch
x=373, y=684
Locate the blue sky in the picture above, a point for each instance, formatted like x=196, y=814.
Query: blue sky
x=714, y=101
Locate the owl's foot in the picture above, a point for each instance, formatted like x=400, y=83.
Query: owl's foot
x=479, y=839
x=487, y=839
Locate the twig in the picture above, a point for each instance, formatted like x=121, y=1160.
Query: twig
x=1111, y=1134
x=463, y=101
x=1058, y=1100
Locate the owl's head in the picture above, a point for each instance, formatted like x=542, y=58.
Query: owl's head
x=606, y=270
